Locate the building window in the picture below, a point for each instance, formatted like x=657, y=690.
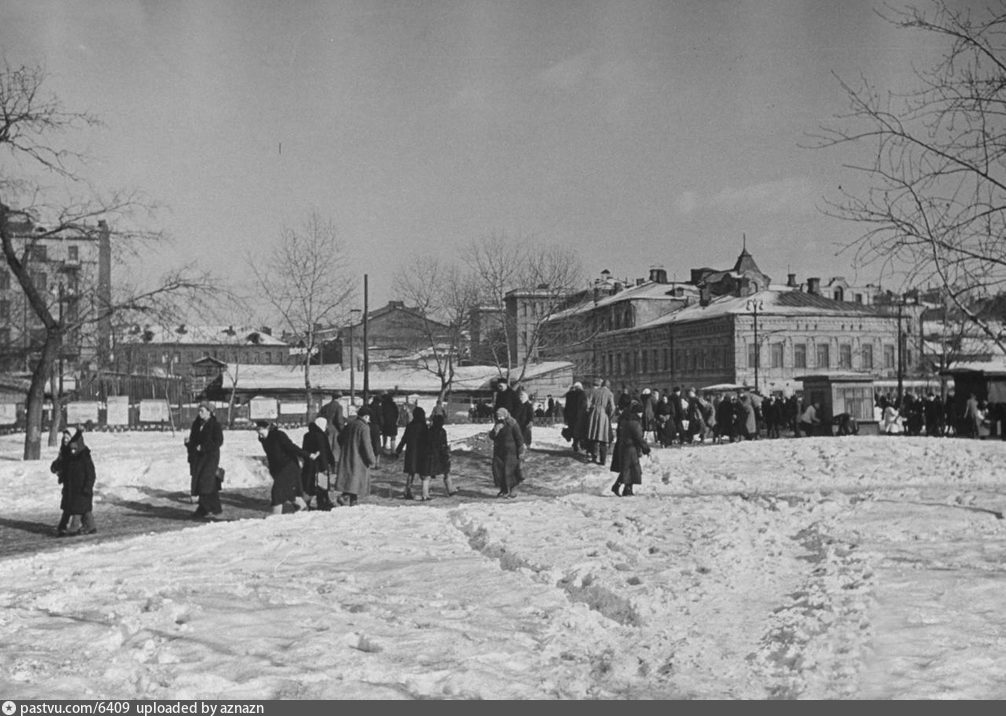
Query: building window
x=642, y=361
x=73, y=253
x=5, y=336
x=38, y=252
x=5, y=310
x=889, y=357
x=868, y=356
x=667, y=360
x=823, y=355
x=4, y=280
x=799, y=355
x=777, y=355
x=38, y=280
x=752, y=355
x=845, y=356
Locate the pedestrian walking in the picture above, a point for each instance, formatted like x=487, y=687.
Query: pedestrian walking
x=508, y=451
x=75, y=469
x=574, y=412
x=524, y=415
x=283, y=459
x=630, y=443
x=335, y=419
x=358, y=457
x=438, y=453
x=318, y=464
x=415, y=443
x=599, y=431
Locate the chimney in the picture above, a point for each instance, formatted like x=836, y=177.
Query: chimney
x=658, y=274
x=704, y=295
x=619, y=286
x=640, y=281
x=814, y=286
x=791, y=280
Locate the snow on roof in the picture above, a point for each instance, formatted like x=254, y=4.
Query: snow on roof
x=771, y=302
x=647, y=291
x=199, y=335
x=402, y=379
x=996, y=366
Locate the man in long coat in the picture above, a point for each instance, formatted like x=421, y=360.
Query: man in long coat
x=353, y=477
x=204, y=442
x=574, y=414
x=599, y=434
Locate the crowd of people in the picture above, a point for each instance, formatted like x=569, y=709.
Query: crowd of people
x=338, y=452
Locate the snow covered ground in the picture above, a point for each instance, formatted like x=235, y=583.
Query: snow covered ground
x=860, y=567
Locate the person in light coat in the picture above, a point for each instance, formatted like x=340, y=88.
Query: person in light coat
x=508, y=452
x=599, y=412
x=358, y=456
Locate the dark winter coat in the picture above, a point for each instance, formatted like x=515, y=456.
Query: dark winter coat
x=524, y=415
x=389, y=417
x=316, y=441
x=506, y=398
x=76, y=470
x=508, y=449
x=437, y=449
x=629, y=445
x=283, y=458
x=574, y=413
x=205, y=439
x=358, y=456
x=415, y=443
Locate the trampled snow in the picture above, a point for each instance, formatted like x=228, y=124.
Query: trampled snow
x=858, y=567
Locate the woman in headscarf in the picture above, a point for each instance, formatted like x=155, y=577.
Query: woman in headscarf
x=77, y=471
x=629, y=445
x=319, y=462
x=439, y=452
x=508, y=451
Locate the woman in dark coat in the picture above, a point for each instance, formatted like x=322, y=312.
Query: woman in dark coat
x=282, y=457
x=316, y=442
x=76, y=470
x=439, y=452
x=389, y=421
x=524, y=415
x=416, y=462
x=629, y=445
x=56, y=468
x=508, y=451
x=203, y=443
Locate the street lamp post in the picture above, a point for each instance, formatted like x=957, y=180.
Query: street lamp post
x=353, y=317
x=753, y=306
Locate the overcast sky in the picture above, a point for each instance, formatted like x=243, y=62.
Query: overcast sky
x=638, y=132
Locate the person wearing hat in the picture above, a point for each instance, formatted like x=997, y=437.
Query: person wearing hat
x=203, y=444
x=335, y=420
x=283, y=458
x=75, y=469
x=318, y=465
x=358, y=456
x=629, y=445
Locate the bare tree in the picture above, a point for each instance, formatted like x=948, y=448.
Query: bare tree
x=934, y=162
x=445, y=296
x=29, y=121
x=542, y=278
x=306, y=279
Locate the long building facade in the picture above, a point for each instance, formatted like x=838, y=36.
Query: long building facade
x=735, y=327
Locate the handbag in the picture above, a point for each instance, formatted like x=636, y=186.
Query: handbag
x=220, y=478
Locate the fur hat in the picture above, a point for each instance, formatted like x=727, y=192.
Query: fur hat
x=364, y=411
x=205, y=404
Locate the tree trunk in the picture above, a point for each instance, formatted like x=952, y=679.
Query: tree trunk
x=36, y=399
x=56, y=424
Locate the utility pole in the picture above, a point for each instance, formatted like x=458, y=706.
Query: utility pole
x=754, y=305
x=353, y=314
x=901, y=359
x=366, y=348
